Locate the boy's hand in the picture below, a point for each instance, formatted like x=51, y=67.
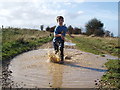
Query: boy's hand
x=62, y=37
x=59, y=35
x=72, y=36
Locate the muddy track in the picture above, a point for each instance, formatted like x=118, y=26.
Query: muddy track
x=34, y=70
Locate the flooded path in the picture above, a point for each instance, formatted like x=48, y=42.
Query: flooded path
x=33, y=69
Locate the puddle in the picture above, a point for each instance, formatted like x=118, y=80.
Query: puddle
x=69, y=44
x=33, y=70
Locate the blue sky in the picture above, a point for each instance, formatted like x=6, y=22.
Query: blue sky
x=77, y=13
x=107, y=12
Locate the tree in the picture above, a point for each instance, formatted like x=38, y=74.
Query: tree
x=48, y=28
x=2, y=26
x=107, y=33
x=94, y=26
x=77, y=30
x=41, y=27
x=70, y=29
x=98, y=32
x=52, y=29
x=112, y=35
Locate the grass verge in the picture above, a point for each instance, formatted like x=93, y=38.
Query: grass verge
x=111, y=79
x=97, y=45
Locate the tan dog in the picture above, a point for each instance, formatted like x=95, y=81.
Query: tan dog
x=54, y=57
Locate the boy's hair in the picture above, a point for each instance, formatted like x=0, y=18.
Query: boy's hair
x=59, y=17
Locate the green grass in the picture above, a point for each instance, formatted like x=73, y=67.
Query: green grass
x=16, y=41
x=96, y=45
x=113, y=75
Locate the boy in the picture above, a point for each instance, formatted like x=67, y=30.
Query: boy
x=59, y=37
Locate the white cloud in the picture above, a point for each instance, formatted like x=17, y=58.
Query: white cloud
x=42, y=1
x=4, y=12
x=102, y=0
x=34, y=13
x=78, y=1
x=80, y=12
x=29, y=13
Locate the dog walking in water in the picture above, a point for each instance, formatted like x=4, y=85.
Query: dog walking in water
x=59, y=38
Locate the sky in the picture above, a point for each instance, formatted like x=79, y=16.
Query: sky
x=33, y=13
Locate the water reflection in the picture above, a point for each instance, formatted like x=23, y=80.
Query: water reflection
x=69, y=44
x=56, y=73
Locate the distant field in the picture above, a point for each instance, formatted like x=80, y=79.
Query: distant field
x=97, y=45
x=16, y=41
x=12, y=34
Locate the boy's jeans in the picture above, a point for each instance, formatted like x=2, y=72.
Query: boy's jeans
x=59, y=45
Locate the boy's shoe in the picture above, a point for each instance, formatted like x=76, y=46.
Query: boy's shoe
x=56, y=52
x=61, y=62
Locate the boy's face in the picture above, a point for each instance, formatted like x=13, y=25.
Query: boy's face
x=60, y=21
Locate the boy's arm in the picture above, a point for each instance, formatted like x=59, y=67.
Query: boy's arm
x=69, y=34
x=57, y=35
